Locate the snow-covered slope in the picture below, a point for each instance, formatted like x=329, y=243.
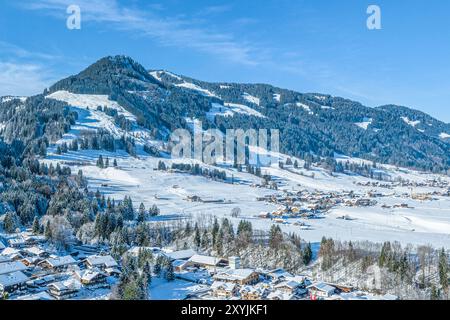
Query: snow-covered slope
x=428, y=222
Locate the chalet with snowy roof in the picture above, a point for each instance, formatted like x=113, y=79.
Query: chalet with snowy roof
x=12, y=266
x=64, y=289
x=320, y=290
x=257, y=292
x=12, y=253
x=91, y=278
x=10, y=282
x=16, y=242
x=58, y=263
x=4, y=258
x=280, y=295
x=277, y=275
x=40, y=296
x=35, y=252
x=288, y=286
x=238, y=276
x=207, y=262
x=31, y=261
x=224, y=290
x=101, y=262
x=181, y=254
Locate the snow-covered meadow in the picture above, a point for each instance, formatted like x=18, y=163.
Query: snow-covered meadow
x=428, y=222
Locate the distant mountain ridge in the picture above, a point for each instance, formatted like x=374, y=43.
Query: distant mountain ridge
x=309, y=123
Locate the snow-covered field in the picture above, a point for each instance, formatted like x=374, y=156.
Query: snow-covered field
x=428, y=222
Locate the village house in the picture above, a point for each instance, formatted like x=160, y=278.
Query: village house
x=280, y=295
x=320, y=290
x=10, y=282
x=289, y=287
x=224, y=290
x=256, y=292
x=31, y=261
x=101, y=262
x=276, y=275
x=35, y=251
x=12, y=253
x=207, y=262
x=12, y=266
x=58, y=263
x=238, y=276
x=91, y=278
x=64, y=289
x=181, y=254
x=40, y=296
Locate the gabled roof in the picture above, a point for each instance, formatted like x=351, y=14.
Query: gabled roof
x=70, y=284
x=37, y=296
x=60, y=261
x=89, y=275
x=234, y=274
x=206, y=260
x=181, y=254
x=34, y=251
x=106, y=261
x=290, y=284
x=13, y=266
x=13, y=278
x=227, y=286
x=322, y=287
x=9, y=251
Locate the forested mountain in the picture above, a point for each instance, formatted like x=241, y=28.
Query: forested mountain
x=309, y=123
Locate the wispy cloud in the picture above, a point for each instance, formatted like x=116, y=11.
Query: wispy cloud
x=180, y=32
x=22, y=79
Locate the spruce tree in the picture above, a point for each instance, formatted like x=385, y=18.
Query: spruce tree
x=36, y=227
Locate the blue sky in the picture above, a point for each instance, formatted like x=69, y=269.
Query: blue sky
x=305, y=45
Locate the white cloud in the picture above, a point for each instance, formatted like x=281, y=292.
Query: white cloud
x=22, y=79
x=168, y=31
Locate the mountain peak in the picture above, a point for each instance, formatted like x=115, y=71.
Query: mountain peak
x=107, y=75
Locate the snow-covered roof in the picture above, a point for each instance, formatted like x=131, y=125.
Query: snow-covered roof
x=206, y=260
x=289, y=284
x=9, y=251
x=13, y=278
x=70, y=284
x=234, y=274
x=276, y=273
x=4, y=258
x=227, y=286
x=181, y=254
x=322, y=287
x=106, y=261
x=37, y=296
x=60, y=261
x=88, y=275
x=279, y=295
x=13, y=266
x=34, y=251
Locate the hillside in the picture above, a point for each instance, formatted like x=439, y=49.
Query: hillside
x=316, y=124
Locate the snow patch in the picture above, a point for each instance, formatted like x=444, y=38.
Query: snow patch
x=277, y=97
x=444, y=135
x=191, y=86
x=410, y=122
x=305, y=107
x=251, y=98
x=365, y=124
